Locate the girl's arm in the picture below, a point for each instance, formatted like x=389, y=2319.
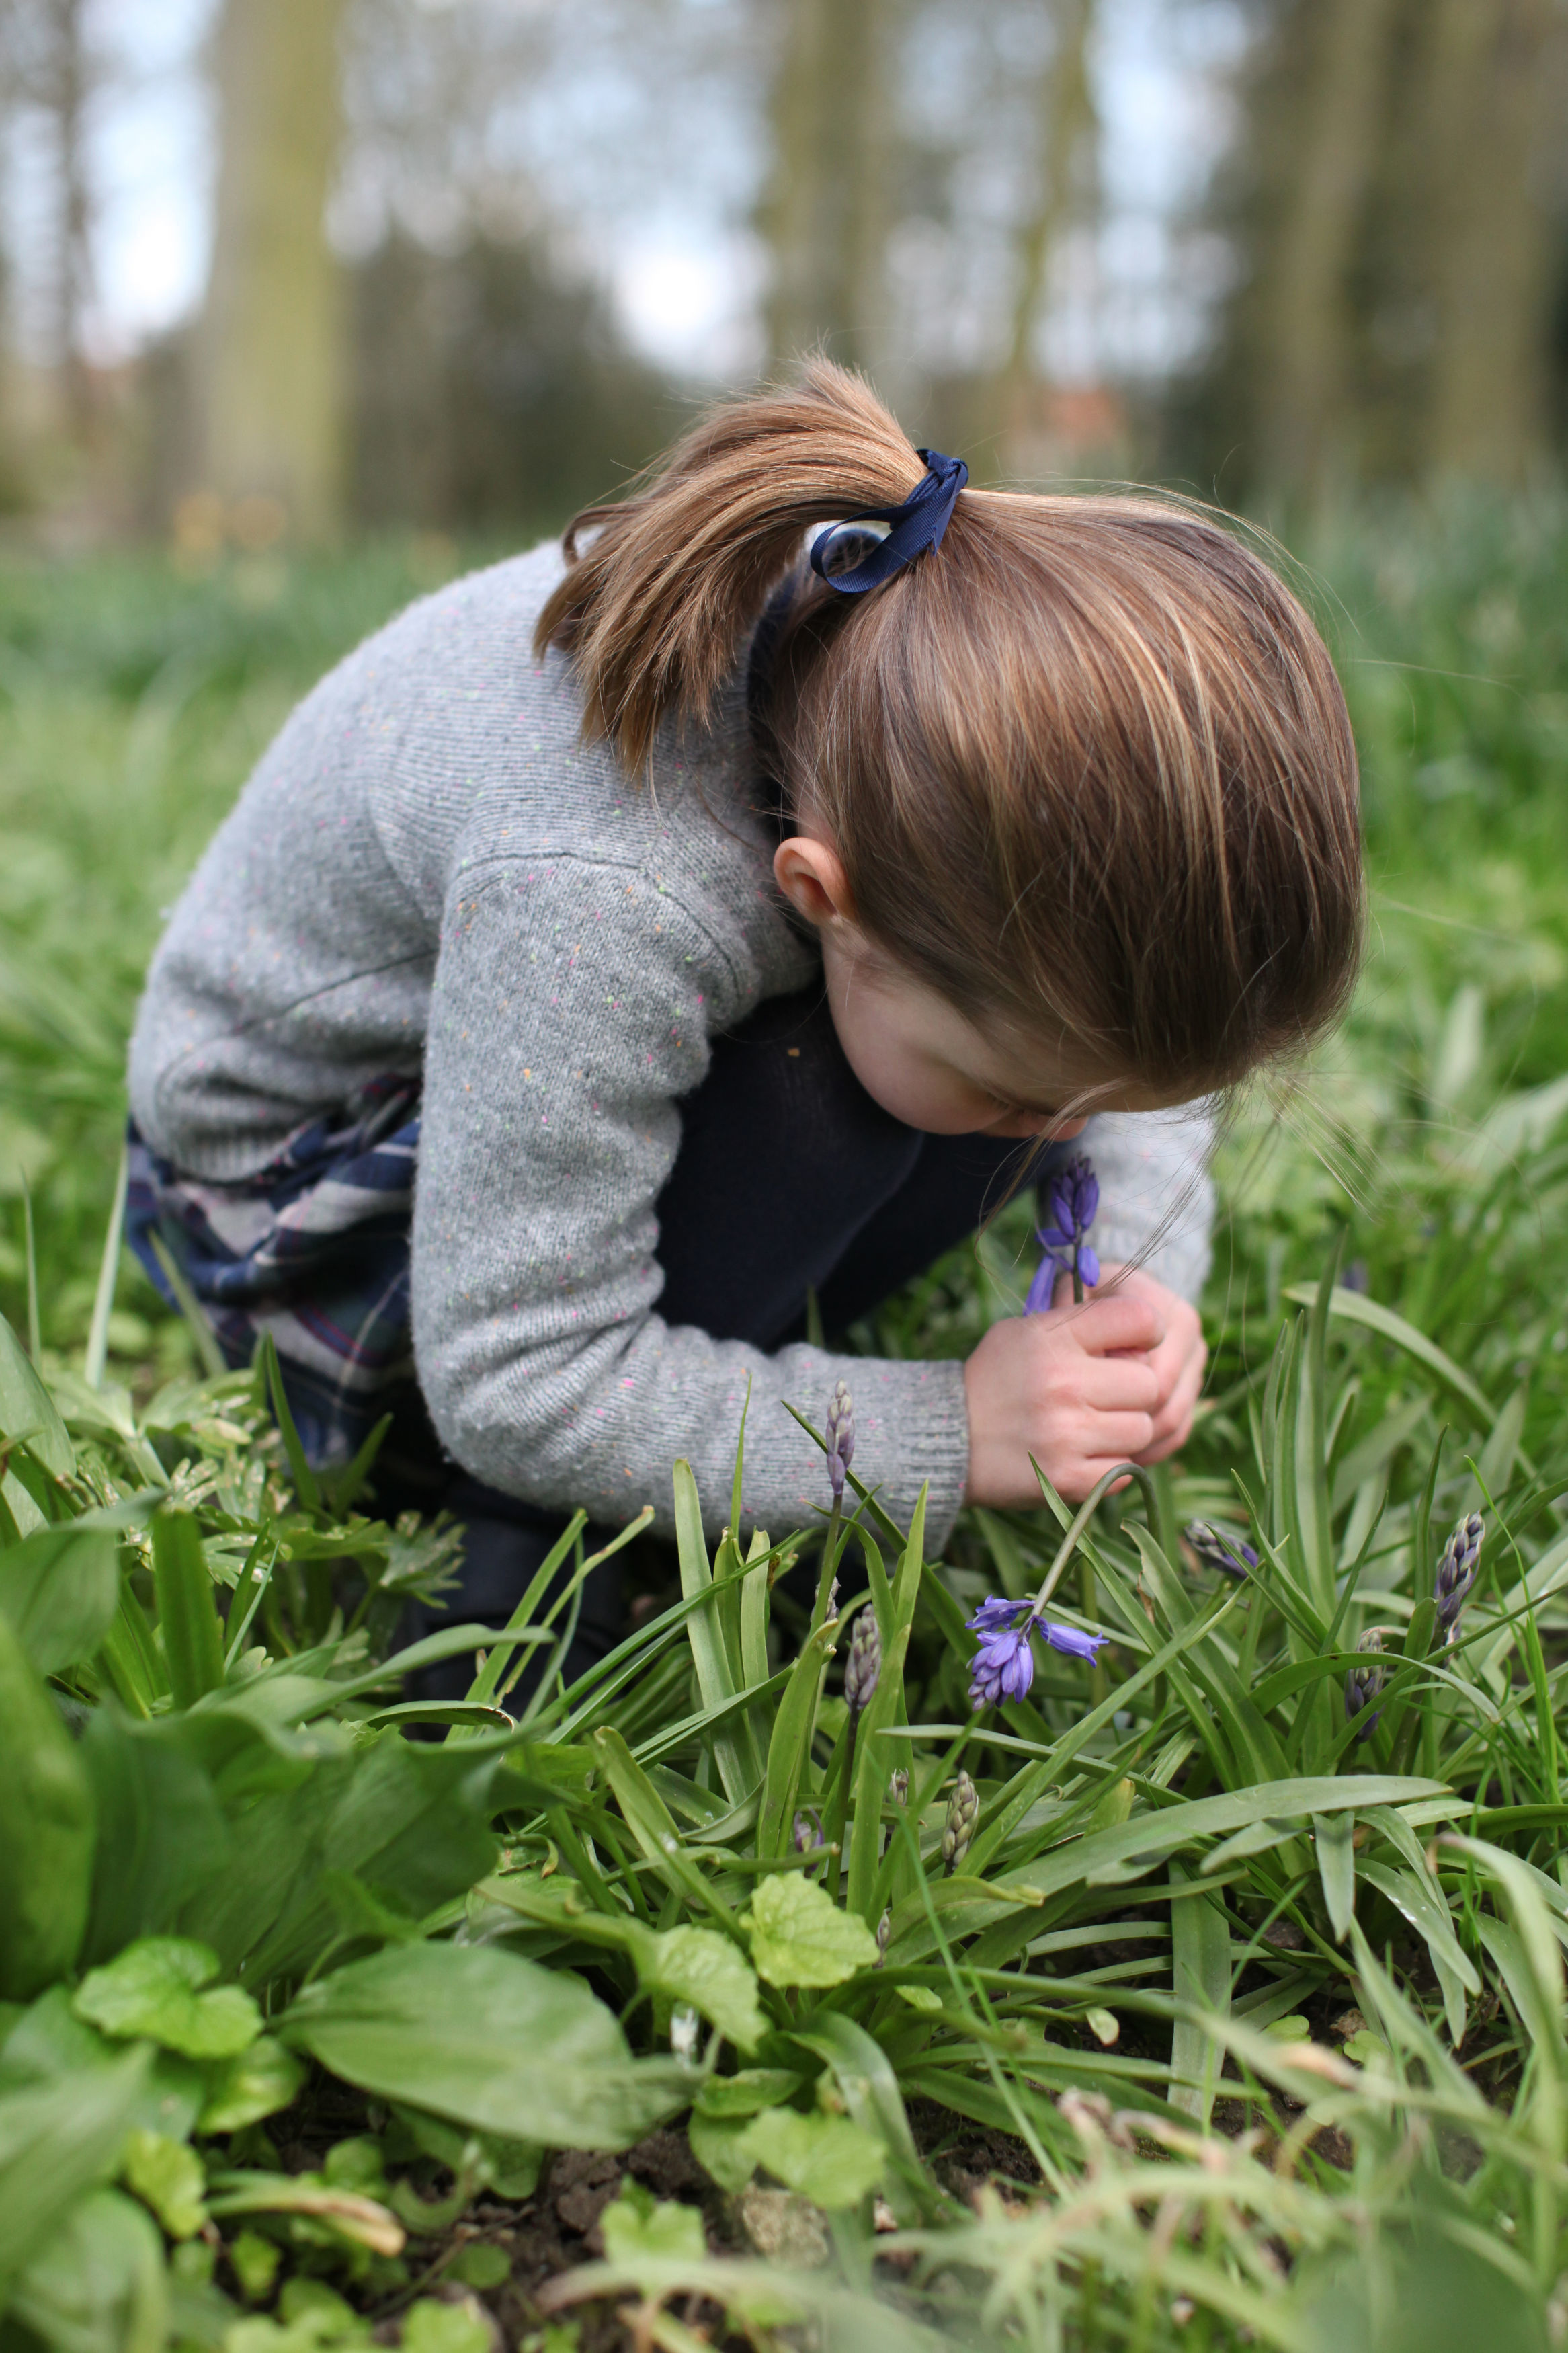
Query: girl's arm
x=571, y=1008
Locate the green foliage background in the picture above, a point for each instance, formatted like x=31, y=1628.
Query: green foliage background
x=1163, y=1873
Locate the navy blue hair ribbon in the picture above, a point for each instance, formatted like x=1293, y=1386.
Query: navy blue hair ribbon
x=914, y=526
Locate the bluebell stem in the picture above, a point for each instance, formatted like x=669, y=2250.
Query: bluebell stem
x=963, y=1813
x=840, y=1437
x=1456, y=1573
x=1363, y=1684
x=1004, y=1665
x=864, y=1663
x=1073, y=1199
x=1228, y=1554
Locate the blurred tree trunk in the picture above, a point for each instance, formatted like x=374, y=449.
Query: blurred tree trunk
x=45, y=62
x=271, y=365
x=1067, y=126
x=1307, y=326
x=827, y=210
x=1493, y=94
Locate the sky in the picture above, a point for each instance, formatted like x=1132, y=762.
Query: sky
x=675, y=250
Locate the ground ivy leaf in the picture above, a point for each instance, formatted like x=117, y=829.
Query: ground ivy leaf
x=747, y=2093
x=800, y=1937
x=432, y=2327
x=826, y=2159
x=167, y=2177
x=699, y=1966
x=719, y=2144
x=255, y=2083
x=636, y=2226
x=151, y=1990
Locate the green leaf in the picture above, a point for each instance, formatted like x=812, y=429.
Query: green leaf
x=638, y=2227
x=255, y=2084
x=27, y=1415
x=47, y=1832
x=99, y=2283
x=1427, y=1913
x=734, y=1748
x=153, y=1990
x=697, y=1966
x=790, y=1744
x=487, y=2039
x=826, y=2159
x=161, y=1830
x=1356, y=1307
x=720, y=2145
x=55, y=2142
x=747, y=2092
x=60, y=1588
x=1333, y=1836
x=169, y=2178
x=187, y=1609
x=800, y=1937
x=434, y=2327
x=1200, y=1978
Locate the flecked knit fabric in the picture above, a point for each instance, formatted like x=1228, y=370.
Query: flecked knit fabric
x=428, y=872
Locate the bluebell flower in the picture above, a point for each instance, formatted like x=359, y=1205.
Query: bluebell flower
x=1457, y=1572
x=1365, y=1683
x=1073, y=1201
x=1004, y=1665
x=1228, y=1554
x=840, y=1437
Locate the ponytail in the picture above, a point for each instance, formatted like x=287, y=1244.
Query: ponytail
x=656, y=607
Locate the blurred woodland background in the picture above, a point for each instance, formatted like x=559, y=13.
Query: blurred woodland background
x=469, y=261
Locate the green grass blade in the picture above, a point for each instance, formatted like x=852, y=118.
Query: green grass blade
x=187, y=1609
x=108, y=1274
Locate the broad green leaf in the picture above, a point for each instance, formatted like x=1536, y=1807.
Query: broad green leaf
x=869, y=2089
x=46, y=1831
x=99, y=2283
x=826, y=2159
x=485, y=2039
x=637, y=2226
x=800, y=1937
x=434, y=2326
x=255, y=2084
x=49, y=2043
x=27, y=1415
x=161, y=1831
x=168, y=2177
x=60, y=1588
x=1333, y=1837
x=790, y=1744
x=153, y=1990
x=1200, y=1979
x=55, y=2142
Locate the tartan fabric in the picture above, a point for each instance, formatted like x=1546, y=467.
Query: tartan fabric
x=313, y=1248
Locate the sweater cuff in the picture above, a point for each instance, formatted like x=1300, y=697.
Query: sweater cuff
x=915, y=1418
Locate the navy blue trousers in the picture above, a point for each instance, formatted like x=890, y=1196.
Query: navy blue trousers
x=789, y=1177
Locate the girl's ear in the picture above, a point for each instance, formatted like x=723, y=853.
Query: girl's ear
x=811, y=875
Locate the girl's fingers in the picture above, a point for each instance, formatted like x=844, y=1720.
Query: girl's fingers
x=1126, y=1320
x=1120, y=1436
x=1121, y=1384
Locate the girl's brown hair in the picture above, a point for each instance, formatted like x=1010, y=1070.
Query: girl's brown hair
x=1087, y=764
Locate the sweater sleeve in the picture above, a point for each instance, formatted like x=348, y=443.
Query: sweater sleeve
x=1156, y=1196
x=571, y=1010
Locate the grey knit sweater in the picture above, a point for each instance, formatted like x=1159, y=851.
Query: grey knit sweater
x=428, y=872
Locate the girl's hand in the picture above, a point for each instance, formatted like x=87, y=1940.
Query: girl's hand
x=1179, y=1360
x=1080, y=1389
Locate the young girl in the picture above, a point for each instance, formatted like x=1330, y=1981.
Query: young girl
x=711, y=907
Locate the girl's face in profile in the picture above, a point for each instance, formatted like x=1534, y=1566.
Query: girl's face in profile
x=925, y=1062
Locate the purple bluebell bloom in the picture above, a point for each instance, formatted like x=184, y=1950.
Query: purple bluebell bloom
x=1004, y=1665
x=1457, y=1572
x=1215, y=1550
x=1364, y=1684
x=1073, y=1202
x=840, y=1437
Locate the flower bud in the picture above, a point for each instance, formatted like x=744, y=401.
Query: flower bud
x=963, y=1813
x=840, y=1436
x=1457, y=1572
x=864, y=1663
